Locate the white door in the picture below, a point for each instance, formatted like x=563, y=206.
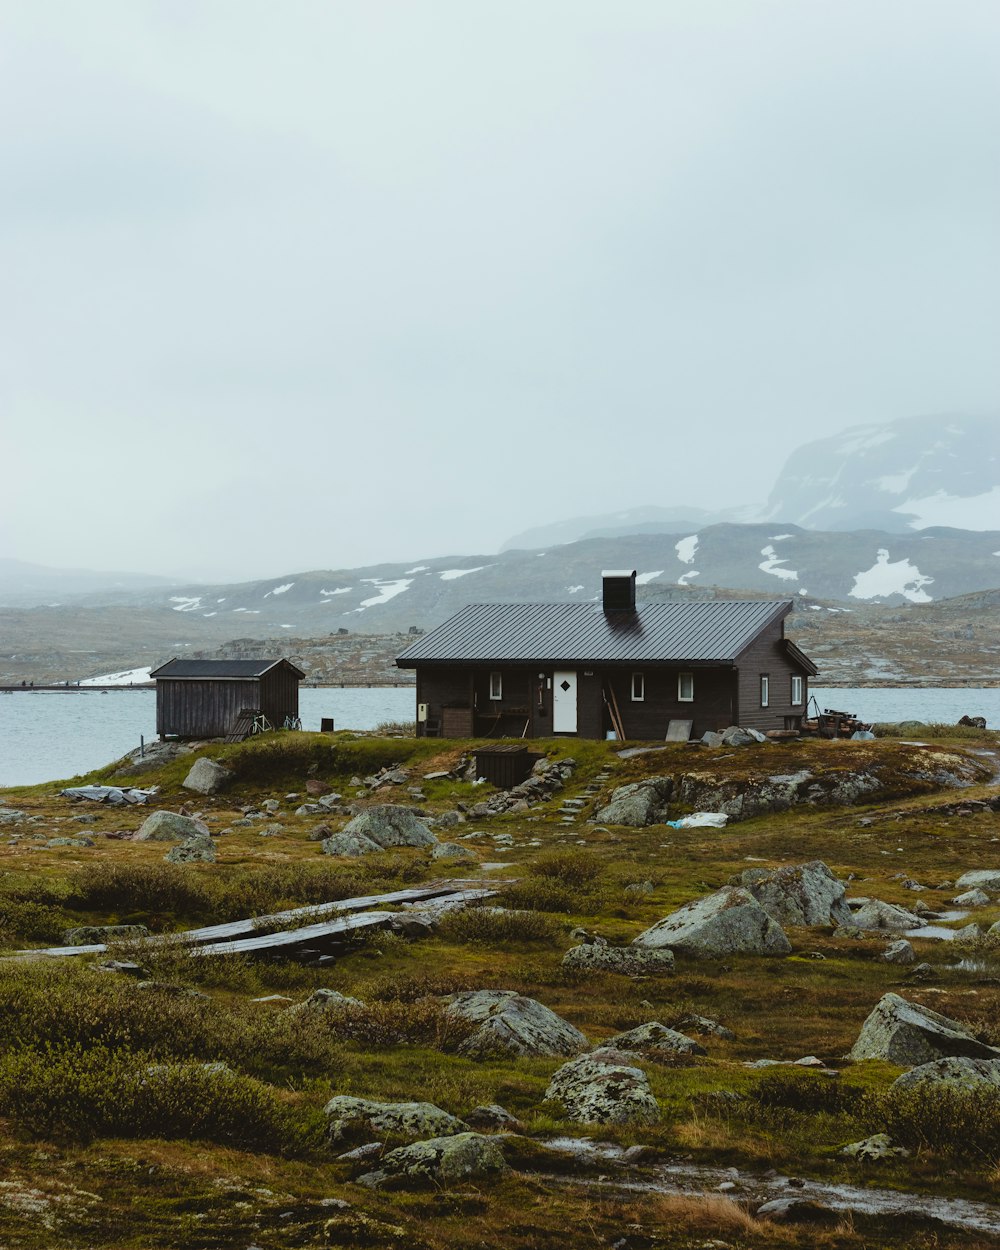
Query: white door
x=563, y=702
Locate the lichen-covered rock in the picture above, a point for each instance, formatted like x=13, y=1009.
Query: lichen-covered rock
x=908, y=1034
x=629, y=961
x=900, y=952
x=876, y=914
x=494, y=1118
x=346, y=1116
x=655, y=1036
x=980, y=879
x=972, y=898
x=512, y=1023
x=162, y=826
x=95, y=934
x=441, y=1160
x=328, y=1000
x=452, y=850
x=349, y=845
x=799, y=894
x=604, y=1088
x=728, y=922
x=389, y=825
x=955, y=1072
x=207, y=777
x=639, y=804
x=873, y=1149
x=197, y=850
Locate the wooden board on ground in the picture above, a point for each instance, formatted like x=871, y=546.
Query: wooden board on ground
x=245, y=928
x=679, y=731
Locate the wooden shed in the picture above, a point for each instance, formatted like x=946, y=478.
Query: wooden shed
x=538, y=670
x=206, y=698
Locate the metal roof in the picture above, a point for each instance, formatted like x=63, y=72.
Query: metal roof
x=208, y=670
x=714, y=631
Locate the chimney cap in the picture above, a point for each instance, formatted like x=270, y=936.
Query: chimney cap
x=618, y=572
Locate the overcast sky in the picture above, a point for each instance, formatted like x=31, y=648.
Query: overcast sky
x=316, y=283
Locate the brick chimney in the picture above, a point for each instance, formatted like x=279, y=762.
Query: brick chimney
x=619, y=590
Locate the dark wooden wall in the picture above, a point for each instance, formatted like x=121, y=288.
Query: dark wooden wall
x=767, y=655
x=712, y=708
x=202, y=709
x=192, y=708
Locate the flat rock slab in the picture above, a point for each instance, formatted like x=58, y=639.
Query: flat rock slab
x=388, y=825
x=955, y=1073
x=981, y=879
x=629, y=961
x=728, y=922
x=346, y=1116
x=514, y=1024
x=908, y=1034
x=876, y=915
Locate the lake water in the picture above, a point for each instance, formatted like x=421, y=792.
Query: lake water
x=50, y=735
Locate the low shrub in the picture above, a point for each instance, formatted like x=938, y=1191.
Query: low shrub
x=961, y=1123
x=26, y=921
x=543, y=894
x=80, y=1094
x=570, y=868
x=806, y=1092
x=419, y=1022
x=497, y=926
x=139, y=889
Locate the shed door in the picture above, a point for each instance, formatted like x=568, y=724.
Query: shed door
x=563, y=702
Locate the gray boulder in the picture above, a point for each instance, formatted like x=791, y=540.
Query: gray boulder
x=604, y=1088
x=629, y=961
x=639, y=804
x=876, y=914
x=801, y=894
x=972, y=898
x=873, y=1149
x=981, y=879
x=728, y=922
x=908, y=1034
x=327, y=1000
x=900, y=952
x=656, y=1036
x=956, y=1072
x=734, y=736
x=197, y=850
x=452, y=850
x=162, y=826
x=512, y=1023
x=711, y=739
x=93, y=934
x=441, y=1160
x=207, y=777
x=349, y=845
x=388, y=825
x=347, y=1116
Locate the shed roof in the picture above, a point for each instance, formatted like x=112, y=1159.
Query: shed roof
x=703, y=632
x=211, y=670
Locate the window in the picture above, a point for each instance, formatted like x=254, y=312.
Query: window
x=765, y=683
x=685, y=687
x=638, y=688
x=796, y=691
x=496, y=686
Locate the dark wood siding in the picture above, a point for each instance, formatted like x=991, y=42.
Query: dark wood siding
x=202, y=709
x=279, y=695
x=647, y=719
x=440, y=687
x=767, y=656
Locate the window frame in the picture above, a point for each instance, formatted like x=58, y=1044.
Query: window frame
x=681, y=696
x=798, y=685
x=765, y=689
x=496, y=685
x=638, y=684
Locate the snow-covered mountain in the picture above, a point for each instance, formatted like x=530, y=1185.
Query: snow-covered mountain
x=906, y=475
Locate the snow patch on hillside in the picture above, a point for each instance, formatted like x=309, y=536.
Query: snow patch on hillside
x=279, y=590
x=683, y=579
x=386, y=590
x=771, y=562
x=885, y=578
x=249, y=611
x=686, y=548
x=341, y=590
x=970, y=512
x=573, y=590
x=128, y=678
x=186, y=605
x=895, y=483
x=780, y=538
x=449, y=575
x=645, y=578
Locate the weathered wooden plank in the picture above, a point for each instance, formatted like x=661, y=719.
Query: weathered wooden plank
x=245, y=928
